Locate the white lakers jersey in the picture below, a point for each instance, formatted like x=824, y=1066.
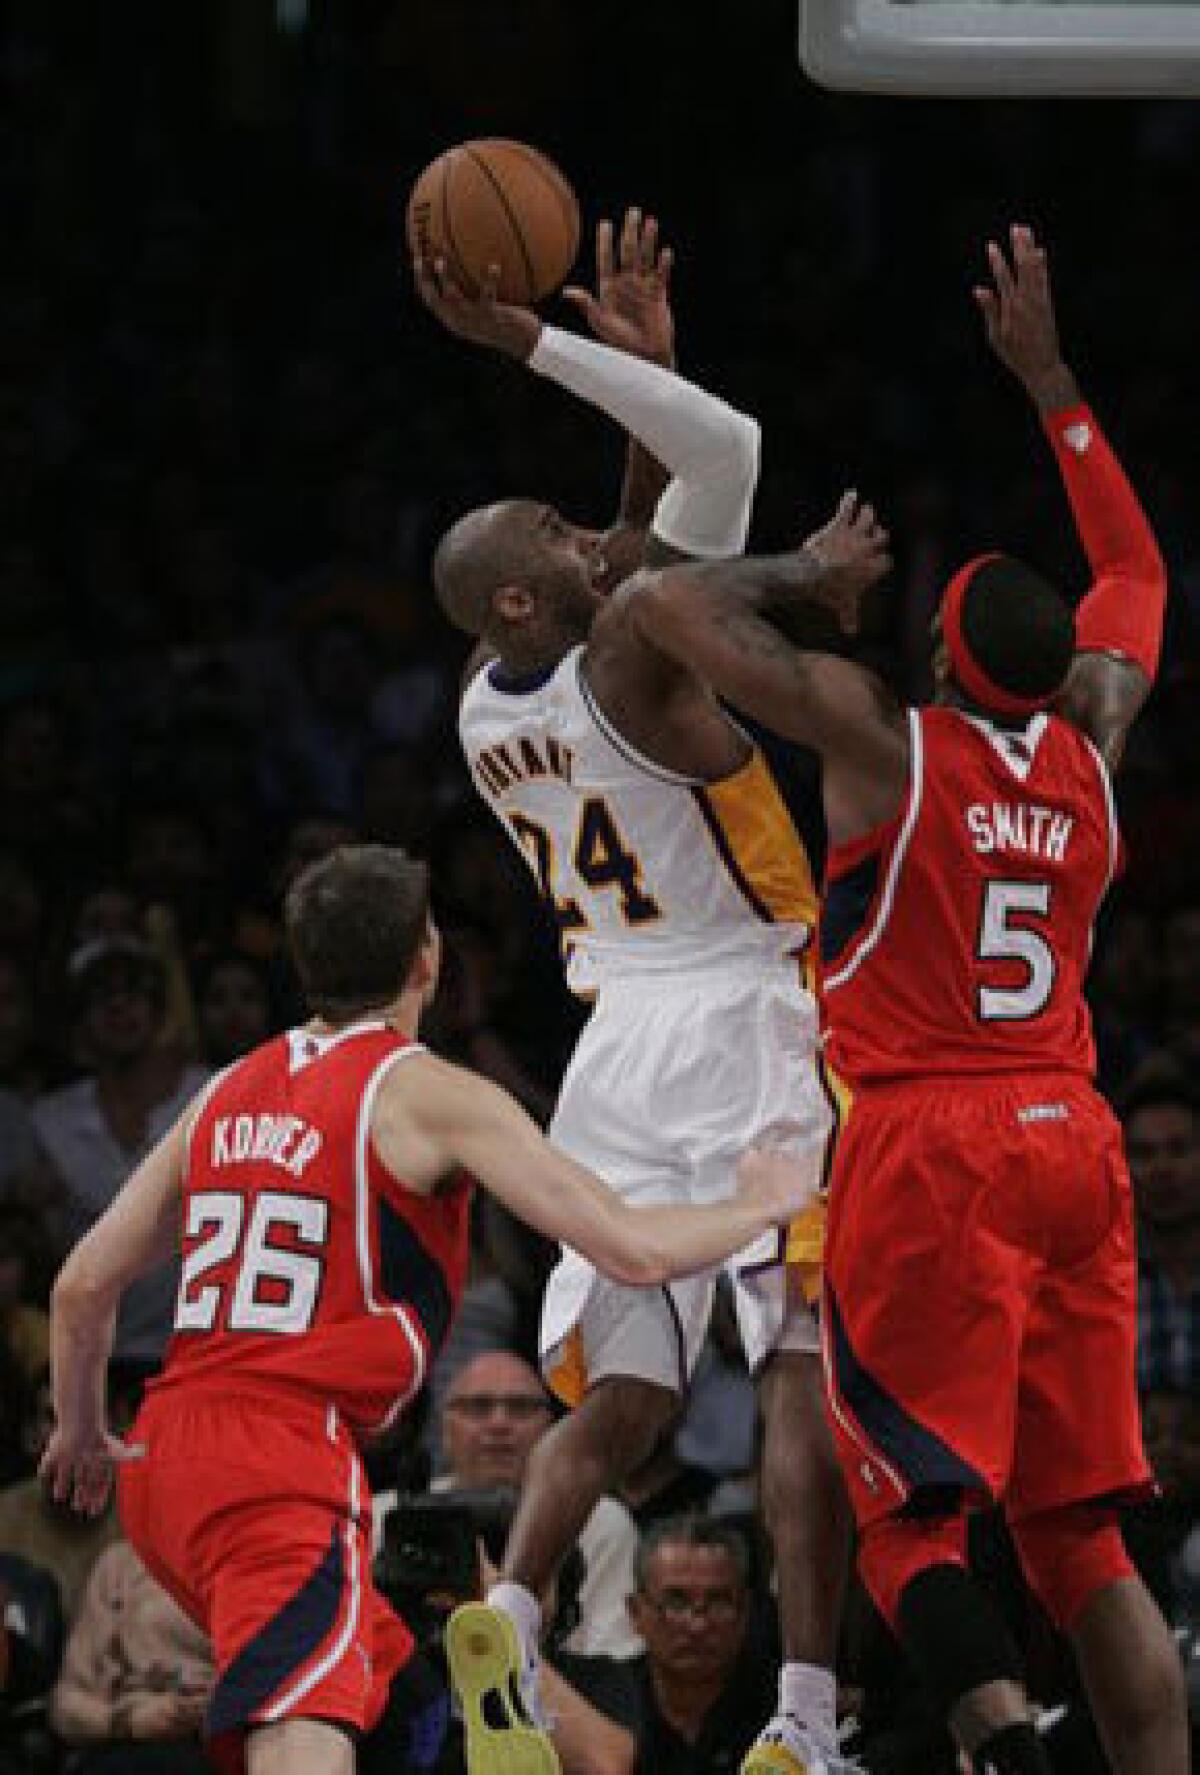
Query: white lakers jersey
x=642, y=869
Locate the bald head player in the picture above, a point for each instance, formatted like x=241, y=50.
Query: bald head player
x=684, y=897
x=980, y=1292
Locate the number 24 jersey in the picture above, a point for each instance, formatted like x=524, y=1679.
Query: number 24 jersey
x=956, y=940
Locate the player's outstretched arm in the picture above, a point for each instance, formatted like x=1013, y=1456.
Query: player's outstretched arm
x=435, y=1118
x=715, y=617
x=631, y=311
x=710, y=450
x=139, y=1230
x=1119, y=622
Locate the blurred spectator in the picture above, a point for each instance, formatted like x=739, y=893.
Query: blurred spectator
x=495, y=1411
x=703, y=1689
x=136, y=1676
x=1162, y=1138
x=49, y=1534
x=1124, y=988
x=233, y=1005
x=97, y=1129
x=1164, y=1538
x=31, y=1639
x=24, y=1327
x=25, y=1066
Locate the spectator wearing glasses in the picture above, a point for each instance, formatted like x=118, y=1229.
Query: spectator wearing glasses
x=701, y=1692
x=496, y=1409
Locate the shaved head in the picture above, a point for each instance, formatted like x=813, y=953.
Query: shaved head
x=517, y=576
x=484, y=550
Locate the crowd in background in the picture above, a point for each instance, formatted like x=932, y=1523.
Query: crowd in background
x=228, y=441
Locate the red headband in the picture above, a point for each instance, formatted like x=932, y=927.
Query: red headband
x=968, y=672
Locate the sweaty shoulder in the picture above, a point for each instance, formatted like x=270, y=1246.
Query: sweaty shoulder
x=661, y=707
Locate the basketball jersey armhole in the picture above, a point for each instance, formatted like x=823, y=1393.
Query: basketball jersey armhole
x=894, y=849
x=1115, y=848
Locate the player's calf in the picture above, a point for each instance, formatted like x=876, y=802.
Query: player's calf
x=960, y=1648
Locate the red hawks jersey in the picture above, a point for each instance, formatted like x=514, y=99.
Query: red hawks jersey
x=956, y=939
x=307, y=1266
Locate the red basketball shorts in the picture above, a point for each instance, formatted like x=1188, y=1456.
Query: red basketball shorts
x=979, y=1314
x=253, y=1511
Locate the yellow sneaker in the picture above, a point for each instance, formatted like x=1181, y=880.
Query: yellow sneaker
x=484, y=1656
x=784, y=1747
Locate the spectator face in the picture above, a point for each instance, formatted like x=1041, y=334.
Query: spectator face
x=1164, y=1161
x=122, y=1012
x=108, y=912
x=169, y=858
x=691, y=1612
x=1171, y=1426
x=495, y=1412
x=235, y=1013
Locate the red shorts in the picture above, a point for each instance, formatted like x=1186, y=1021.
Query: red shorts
x=253, y=1511
x=980, y=1307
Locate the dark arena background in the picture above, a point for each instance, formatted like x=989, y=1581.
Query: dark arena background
x=231, y=437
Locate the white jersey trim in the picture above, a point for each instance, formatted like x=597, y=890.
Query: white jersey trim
x=337, y=1650
x=200, y=1103
x=620, y=744
x=1001, y=740
x=362, y=1193
x=876, y=929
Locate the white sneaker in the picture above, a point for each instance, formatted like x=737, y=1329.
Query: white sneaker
x=785, y=1747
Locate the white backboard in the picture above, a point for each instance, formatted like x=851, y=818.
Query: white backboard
x=1003, y=47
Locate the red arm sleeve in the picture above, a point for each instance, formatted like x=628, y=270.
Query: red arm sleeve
x=1123, y=611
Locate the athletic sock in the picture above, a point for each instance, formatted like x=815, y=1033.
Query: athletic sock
x=1014, y=1750
x=523, y=1610
x=809, y=1693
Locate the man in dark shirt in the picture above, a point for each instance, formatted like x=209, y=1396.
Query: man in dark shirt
x=706, y=1679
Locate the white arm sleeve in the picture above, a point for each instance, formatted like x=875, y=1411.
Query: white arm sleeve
x=710, y=449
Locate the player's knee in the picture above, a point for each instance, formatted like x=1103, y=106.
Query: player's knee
x=628, y=1418
x=1068, y=1555
x=895, y=1550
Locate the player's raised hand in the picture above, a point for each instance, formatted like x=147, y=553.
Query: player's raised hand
x=479, y=318
x=853, y=555
x=774, y=1182
x=631, y=307
x=1018, y=307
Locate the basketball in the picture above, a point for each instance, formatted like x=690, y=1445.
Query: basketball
x=494, y=202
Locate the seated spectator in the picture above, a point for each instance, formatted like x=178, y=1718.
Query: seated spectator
x=31, y=1639
x=703, y=1688
x=1162, y=1138
x=1164, y=1537
x=135, y=1678
x=496, y=1409
x=97, y=1129
x=24, y=1328
x=233, y=1004
x=45, y=1533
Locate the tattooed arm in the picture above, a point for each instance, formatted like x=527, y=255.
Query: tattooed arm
x=715, y=617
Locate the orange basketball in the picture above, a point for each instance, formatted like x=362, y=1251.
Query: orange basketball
x=494, y=202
